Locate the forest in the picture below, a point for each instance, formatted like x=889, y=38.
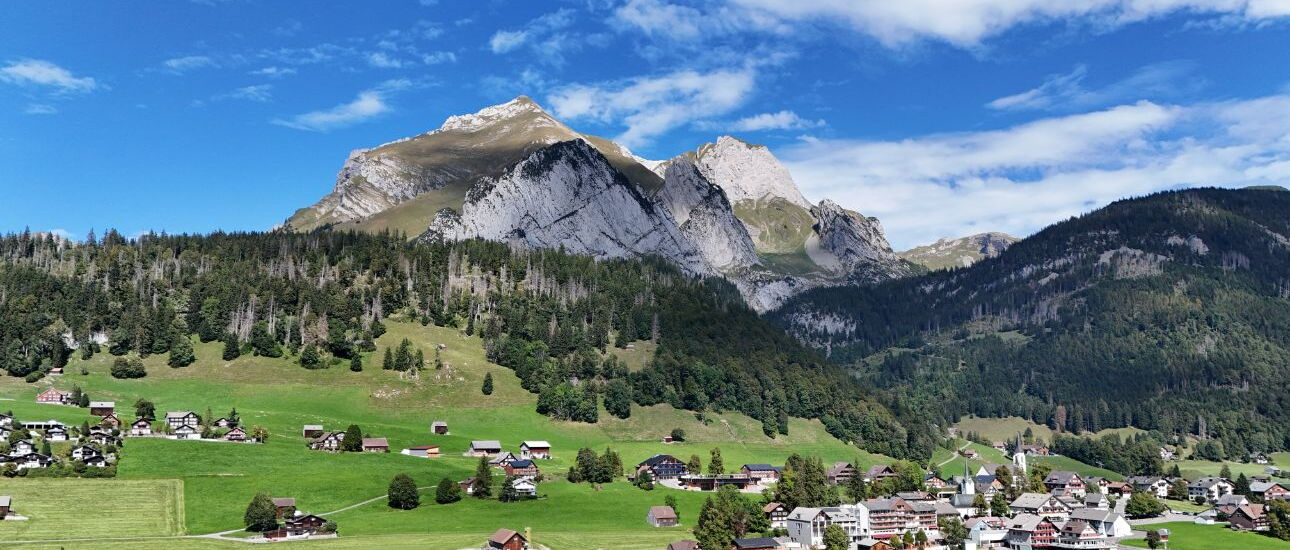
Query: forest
x=1167, y=313
x=321, y=298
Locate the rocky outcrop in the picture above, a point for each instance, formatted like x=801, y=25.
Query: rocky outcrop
x=852, y=245
x=706, y=218
x=747, y=172
x=959, y=252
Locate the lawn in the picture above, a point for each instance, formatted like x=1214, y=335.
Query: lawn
x=1192, y=469
x=1070, y=464
x=71, y=508
x=1189, y=536
x=218, y=479
x=1004, y=429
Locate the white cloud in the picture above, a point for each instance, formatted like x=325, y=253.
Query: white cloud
x=273, y=71
x=966, y=23
x=783, y=120
x=383, y=61
x=368, y=104
x=258, y=93
x=505, y=41
x=40, y=109
x=650, y=106
x=184, y=64
x=437, y=57
x=44, y=73
x=543, y=37
x=681, y=22
x=1067, y=91
x=1021, y=178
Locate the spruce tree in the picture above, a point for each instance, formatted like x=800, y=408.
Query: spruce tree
x=356, y=363
x=353, y=441
x=387, y=362
x=447, y=492
x=232, y=350
x=403, y=493
x=482, y=486
x=508, y=493
x=715, y=465
x=261, y=514
x=487, y=388
x=181, y=352
x=309, y=358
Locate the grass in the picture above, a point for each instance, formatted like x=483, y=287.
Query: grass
x=1189, y=536
x=1070, y=464
x=1004, y=429
x=1199, y=468
x=71, y=508
x=218, y=479
x=638, y=357
x=1185, y=506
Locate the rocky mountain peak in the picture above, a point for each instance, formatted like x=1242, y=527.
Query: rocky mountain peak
x=521, y=110
x=747, y=172
x=959, y=252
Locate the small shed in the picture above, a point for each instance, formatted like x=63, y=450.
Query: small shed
x=439, y=427
x=661, y=516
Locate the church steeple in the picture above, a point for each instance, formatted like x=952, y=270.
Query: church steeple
x=969, y=482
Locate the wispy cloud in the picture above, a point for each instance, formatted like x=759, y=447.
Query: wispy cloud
x=381, y=60
x=1067, y=91
x=273, y=71
x=438, y=57
x=259, y=93
x=783, y=120
x=1022, y=178
x=650, y=106
x=40, y=109
x=505, y=41
x=367, y=105
x=544, y=37
x=38, y=72
x=180, y=65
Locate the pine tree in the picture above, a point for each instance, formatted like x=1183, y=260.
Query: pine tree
x=403, y=493
x=353, y=441
x=232, y=350
x=482, y=486
x=1242, y=485
x=856, y=489
x=181, y=352
x=487, y=388
x=694, y=465
x=261, y=514
x=356, y=363
x=1225, y=472
x=715, y=465
x=387, y=361
x=508, y=493
x=447, y=492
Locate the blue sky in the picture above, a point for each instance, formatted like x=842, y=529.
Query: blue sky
x=939, y=117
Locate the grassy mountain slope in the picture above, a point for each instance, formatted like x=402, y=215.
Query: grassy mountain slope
x=1165, y=312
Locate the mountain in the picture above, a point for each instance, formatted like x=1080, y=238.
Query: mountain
x=512, y=172
x=1165, y=312
x=960, y=252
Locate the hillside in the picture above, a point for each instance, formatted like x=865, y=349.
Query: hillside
x=1165, y=312
x=960, y=252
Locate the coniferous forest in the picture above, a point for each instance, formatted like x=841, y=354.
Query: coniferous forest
x=322, y=298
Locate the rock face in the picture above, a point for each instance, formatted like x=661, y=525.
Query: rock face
x=960, y=252
x=513, y=172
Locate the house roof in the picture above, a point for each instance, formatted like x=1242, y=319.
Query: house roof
x=878, y=469
x=178, y=414
x=438, y=423
x=503, y=535
x=313, y=427
x=424, y=447
x=1062, y=476
x=521, y=463
x=683, y=545
x=761, y=467
x=486, y=444
x=536, y=444
x=375, y=442
x=1094, y=514
x=1032, y=500
x=771, y=506
x=1207, y=482
x=284, y=501
x=756, y=543
x=1075, y=526
x=1142, y=480
x=1252, y=511
x=1235, y=500
x=1025, y=522
x=4, y=500
x=102, y=404
x=662, y=512
x=802, y=513
x=1263, y=486
x=656, y=459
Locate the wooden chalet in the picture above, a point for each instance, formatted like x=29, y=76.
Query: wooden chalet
x=329, y=441
x=175, y=419
x=501, y=460
x=840, y=472
x=506, y=539
x=764, y=472
x=376, y=445
x=662, y=467
x=141, y=427
x=52, y=396
x=661, y=516
x=284, y=506
x=110, y=421
x=777, y=514
x=102, y=408
x=712, y=482
x=311, y=431
x=535, y=450
x=235, y=434
x=486, y=447
x=521, y=468
x=1250, y=517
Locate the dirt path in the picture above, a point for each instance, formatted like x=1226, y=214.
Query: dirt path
x=953, y=456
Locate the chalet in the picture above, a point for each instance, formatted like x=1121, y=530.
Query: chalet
x=712, y=482
x=285, y=506
x=1251, y=517
x=1078, y=534
x=1122, y=489
x=141, y=427
x=304, y=524
x=488, y=447
x=328, y=441
x=525, y=487
x=184, y=431
x=1097, y=501
x=878, y=473
x=1269, y=491
x=1157, y=486
x=501, y=460
x=1259, y=458
x=56, y=434
x=53, y=396
x=661, y=516
x=1041, y=504
x=1105, y=522
x=1209, y=488
x=758, y=543
x=1167, y=453
x=43, y=425
x=104, y=439
x=311, y=431
x=840, y=472
x=999, y=446
x=1028, y=531
x=6, y=502
x=423, y=451
x=6, y=419
x=31, y=460
x=467, y=485
x=22, y=447
x=175, y=419
x=662, y=467
x=1064, y=482
x=1036, y=449
x=535, y=450
x=521, y=468
x=777, y=514
x=683, y=545
x=102, y=408
x=970, y=453
x=885, y=517
x=763, y=472
x=376, y=445
x=223, y=423
x=439, y=427
x=82, y=452
x=97, y=461
x=235, y=434
x=806, y=525
x=110, y=421
x=506, y=539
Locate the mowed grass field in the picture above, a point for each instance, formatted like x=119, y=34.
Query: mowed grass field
x=951, y=462
x=1189, y=536
x=219, y=479
x=73, y=508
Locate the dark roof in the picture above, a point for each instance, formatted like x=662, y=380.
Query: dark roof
x=1061, y=476
x=503, y=535
x=762, y=467
x=285, y=501
x=653, y=460
x=662, y=512
x=758, y=543
x=521, y=463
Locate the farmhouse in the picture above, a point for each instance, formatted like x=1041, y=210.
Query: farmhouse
x=840, y=472
x=235, y=434
x=56, y=434
x=102, y=408
x=1041, y=504
x=521, y=468
x=662, y=467
x=439, y=427
x=1063, y=482
x=1104, y=522
x=764, y=472
x=712, y=482
x=661, y=516
x=879, y=473
x=329, y=441
x=22, y=447
x=423, y=451
x=311, y=431
x=31, y=460
x=223, y=423
x=141, y=427
x=1251, y=517
x=82, y=452
x=1269, y=491
x=1157, y=486
x=1078, y=534
x=110, y=421
x=506, y=539
x=175, y=419
x=1209, y=488
x=303, y=524
x=285, y=506
x=777, y=514
x=53, y=396
x=489, y=447
x=501, y=460
x=1038, y=450
x=103, y=438
x=184, y=431
x=375, y=445
x=5, y=503
x=98, y=461
x=535, y=450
